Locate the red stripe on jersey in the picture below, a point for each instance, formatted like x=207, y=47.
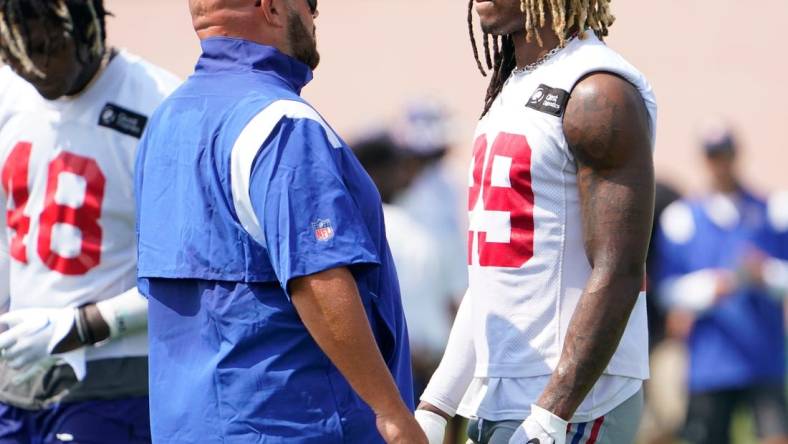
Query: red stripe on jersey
x=595, y=430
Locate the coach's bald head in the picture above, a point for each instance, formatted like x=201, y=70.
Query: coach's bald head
x=288, y=25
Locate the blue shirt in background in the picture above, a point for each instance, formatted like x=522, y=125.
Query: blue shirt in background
x=740, y=341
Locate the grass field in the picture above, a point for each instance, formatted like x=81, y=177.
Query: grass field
x=743, y=428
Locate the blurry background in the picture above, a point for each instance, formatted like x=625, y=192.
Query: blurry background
x=703, y=57
x=706, y=59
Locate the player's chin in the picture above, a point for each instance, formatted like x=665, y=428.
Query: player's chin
x=498, y=25
x=494, y=28
x=50, y=90
x=490, y=15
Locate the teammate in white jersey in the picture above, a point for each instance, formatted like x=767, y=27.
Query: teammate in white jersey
x=73, y=353
x=550, y=344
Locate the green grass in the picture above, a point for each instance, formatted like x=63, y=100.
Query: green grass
x=743, y=429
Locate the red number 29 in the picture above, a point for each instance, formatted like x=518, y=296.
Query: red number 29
x=85, y=218
x=503, y=218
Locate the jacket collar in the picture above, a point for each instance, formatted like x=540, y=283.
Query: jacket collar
x=227, y=54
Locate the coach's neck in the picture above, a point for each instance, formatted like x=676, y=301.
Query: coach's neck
x=265, y=23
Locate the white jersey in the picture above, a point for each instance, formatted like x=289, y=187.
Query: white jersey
x=68, y=192
x=432, y=199
x=528, y=267
x=425, y=298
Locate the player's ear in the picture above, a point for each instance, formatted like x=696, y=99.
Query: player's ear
x=274, y=12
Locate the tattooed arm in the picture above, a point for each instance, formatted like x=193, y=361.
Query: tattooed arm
x=607, y=127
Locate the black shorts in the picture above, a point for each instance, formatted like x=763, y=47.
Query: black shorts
x=709, y=415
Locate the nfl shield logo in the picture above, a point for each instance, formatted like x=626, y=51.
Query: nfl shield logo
x=323, y=230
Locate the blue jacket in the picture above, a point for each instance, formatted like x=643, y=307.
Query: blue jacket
x=740, y=341
x=241, y=187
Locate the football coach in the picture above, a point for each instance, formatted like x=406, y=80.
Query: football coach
x=275, y=314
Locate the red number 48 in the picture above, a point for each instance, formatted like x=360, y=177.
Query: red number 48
x=503, y=218
x=85, y=218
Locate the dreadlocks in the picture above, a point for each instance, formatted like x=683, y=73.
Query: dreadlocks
x=83, y=20
x=567, y=16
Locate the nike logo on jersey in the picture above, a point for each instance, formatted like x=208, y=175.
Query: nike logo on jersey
x=548, y=100
x=122, y=120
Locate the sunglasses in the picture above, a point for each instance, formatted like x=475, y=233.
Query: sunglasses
x=312, y=5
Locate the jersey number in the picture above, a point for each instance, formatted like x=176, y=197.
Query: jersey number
x=85, y=217
x=503, y=218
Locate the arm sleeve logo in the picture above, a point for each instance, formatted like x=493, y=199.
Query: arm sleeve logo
x=324, y=231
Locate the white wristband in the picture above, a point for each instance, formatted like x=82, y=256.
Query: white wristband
x=552, y=424
x=433, y=424
x=124, y=314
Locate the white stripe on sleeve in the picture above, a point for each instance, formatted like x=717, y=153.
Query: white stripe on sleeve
x=249, y=143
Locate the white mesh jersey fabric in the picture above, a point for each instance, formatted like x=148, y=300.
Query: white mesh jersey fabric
x=77, y=176
x=527, y=263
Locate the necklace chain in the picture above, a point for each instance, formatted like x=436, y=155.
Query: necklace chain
x=541, y=61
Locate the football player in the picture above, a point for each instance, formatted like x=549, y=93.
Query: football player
x=72, y=109
x=550, y=344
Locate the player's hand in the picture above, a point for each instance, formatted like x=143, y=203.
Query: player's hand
x=33, y=333
x=726, y=283
x=752, y=267
x=400, y=428
x=541, y=427
x=433, y=424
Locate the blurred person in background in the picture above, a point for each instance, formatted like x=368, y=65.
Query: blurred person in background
x=72, y=110
x=424, y=296
x=550, y=343
x=716, y=281
x=664, y=196
x=663, y=413
x=432, y=197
